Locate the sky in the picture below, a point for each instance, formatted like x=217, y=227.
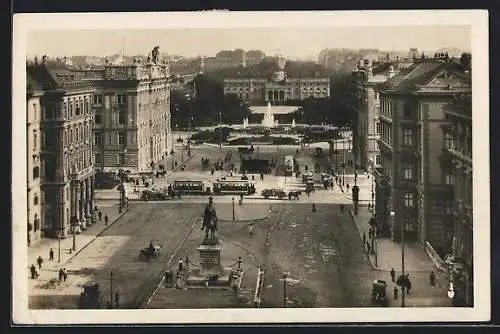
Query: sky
x=298, y=43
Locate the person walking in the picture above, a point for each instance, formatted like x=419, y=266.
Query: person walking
x=61, y=274
x=395, y=291
x=33, y=271
x=100, y=215
x=51, y=255
x=39, y=261
x=65, y=274
x=106, y=219
x=393, y=274
x=408, y=285
x=432, y=278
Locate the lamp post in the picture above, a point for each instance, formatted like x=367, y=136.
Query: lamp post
x=393, y=214
x=111, y=288
x=59, y=245
x=74, y=222
x=233, y=208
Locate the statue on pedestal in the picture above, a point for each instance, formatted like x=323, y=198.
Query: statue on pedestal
x=210, y=223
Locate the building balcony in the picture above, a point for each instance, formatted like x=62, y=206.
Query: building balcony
x=459, y=156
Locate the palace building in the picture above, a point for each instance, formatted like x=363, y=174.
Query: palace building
x=110, y=119
x=277, y=90
x=415, y=179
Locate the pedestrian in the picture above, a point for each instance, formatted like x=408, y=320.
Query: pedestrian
x=39, y=261
x=61, y=274
x=51, y=255
x=180, y=265
x=106, y=219
x=370, y=233
x=393, y=274
x=432, y=278
x=250, y=230
x=65, y=274
x=33, y=271
x=212, y=171
x=408, y=285
x=369, y=206
x=99, y=214
x=348, y=187
x=364, y=237
x=396, y=292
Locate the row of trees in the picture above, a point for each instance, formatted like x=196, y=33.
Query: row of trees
x=206, y=100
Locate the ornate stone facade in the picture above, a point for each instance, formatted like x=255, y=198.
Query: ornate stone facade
x=414, y=179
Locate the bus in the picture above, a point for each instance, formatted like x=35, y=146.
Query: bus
x=191, y=187
x=289, y=162
x=233, y=187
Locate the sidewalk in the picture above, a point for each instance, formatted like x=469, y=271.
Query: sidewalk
x=417, y=264
x=82, y=240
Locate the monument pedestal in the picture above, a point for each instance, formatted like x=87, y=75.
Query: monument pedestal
x=210, y=265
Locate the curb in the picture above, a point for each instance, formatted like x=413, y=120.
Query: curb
x=95, y=237
x=364, y=250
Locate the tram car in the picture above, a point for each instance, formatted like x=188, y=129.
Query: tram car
x=233, y=187
x=188, y=187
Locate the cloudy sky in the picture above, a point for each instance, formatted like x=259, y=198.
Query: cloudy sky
x=292, y=42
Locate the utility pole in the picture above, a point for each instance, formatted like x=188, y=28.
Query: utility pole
x=233, y=209
x=111, y=288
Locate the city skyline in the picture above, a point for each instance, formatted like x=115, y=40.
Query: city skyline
x=207, y=42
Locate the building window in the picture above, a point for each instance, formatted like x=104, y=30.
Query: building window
x=409, y=224
x=408, y=172
x=407, y=137
x=35, y=200
x=70, y=110
x=77, y=110
x=121, y=158
x=97, y=158
x=378, y=127
x=408, y=200
x=121, y=117
x=449, y=140
x=407, y=110
x=49, y=113
x=98, y=119
x=36, y=222
x=377, y=159
x=449, y=178
x=35, y=139
x=97, y=99
x=122, y=99
x=35, y=112
x=121, y=138
x=97, y=139
x=36, y=172
x=448, y=207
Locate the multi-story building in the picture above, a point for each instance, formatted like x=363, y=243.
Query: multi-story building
x=67, y=171
x=34, y=191
x=132, y=117
x=254, y=57
x=365, y=145
x=277, y=90
x=458, y=139
x=113, y=118
x=414, y=180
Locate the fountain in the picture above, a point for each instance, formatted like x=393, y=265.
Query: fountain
x=293, y=123
x=268, y=120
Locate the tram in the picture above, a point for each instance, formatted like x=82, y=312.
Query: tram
x=233, y=187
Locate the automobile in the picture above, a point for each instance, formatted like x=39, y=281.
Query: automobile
x=153, y=195
x=379, y=293
x=266, y=193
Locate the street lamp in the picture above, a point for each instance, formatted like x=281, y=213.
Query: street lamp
x=393, y=214
x=74, y=223
x=233, y=208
